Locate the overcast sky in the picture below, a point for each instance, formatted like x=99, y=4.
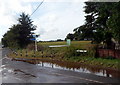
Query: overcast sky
x=54, y=19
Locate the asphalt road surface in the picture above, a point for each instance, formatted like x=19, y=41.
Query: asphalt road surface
x=22, y=72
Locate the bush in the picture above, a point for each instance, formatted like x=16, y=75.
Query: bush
x=92, y=51
x=71, y=51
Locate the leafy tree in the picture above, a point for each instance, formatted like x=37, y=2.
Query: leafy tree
x=25, y=30
x=102, y=23
x=79, y=33
x=19, y=35
x=10, y=38
x=114, y=21
x=70, y=36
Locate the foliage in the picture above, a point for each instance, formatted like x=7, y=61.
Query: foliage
x=19, y=35
x=70, y=51
x=10, y=39
x=101, y=23
x=70, y=36
x=69, y=54
x=114, y=21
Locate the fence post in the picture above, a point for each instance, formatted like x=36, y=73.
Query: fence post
x=21, y=53
x=26, y=53
x=52, y=65
x=114, y=53
x=42, y=53
x=42, y=64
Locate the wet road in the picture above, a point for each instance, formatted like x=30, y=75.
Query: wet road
x=22, y=72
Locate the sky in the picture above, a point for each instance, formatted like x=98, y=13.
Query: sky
x=54, y=18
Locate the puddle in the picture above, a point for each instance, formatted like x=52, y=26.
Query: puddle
x=77, y=67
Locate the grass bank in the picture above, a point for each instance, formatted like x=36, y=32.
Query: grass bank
x=69, y=54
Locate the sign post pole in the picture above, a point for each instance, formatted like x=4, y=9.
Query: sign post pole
x=35, y=44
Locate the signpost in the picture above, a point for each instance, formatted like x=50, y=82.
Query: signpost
x=34, y=39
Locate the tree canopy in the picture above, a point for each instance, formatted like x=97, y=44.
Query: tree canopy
x=102, y=22
x=19, y=34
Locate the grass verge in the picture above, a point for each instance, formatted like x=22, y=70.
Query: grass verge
x=69, y=54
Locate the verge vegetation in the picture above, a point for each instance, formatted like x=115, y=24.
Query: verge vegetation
x=67, y=54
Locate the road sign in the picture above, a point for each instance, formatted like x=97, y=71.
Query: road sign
x=34, y=35
x=32, y=39
x=68, y=41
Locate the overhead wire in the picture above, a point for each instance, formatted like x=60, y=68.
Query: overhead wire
x=37, y=8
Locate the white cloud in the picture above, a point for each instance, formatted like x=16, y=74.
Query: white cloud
x=57, y=24
x=54, y=20
x=9, y=10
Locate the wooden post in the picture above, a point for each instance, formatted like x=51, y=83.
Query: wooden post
x=26, y=53
x=114, y=53
x=52, y=65
x=21, y=53
x=42, y=54
x=42, y=64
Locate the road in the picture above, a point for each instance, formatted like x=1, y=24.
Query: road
x=22, y=72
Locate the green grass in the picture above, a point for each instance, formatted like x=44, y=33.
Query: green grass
x=100, y=62
x=74, y=43
x=69, y=54
x=52, y=43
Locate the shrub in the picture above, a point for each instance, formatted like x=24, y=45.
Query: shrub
x=71, y=51
x=92, y=51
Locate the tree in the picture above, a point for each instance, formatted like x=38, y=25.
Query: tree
x=70, y=36
x=106, y=19
x=79, y=33
x=25, y=30
x=102, y=22
x=114, y=21
x=10, y=38
x=19, y=35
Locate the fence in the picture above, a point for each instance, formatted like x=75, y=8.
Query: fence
x=108, y=52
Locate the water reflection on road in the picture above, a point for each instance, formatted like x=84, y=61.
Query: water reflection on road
x=78, y=67
x=71, y=66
